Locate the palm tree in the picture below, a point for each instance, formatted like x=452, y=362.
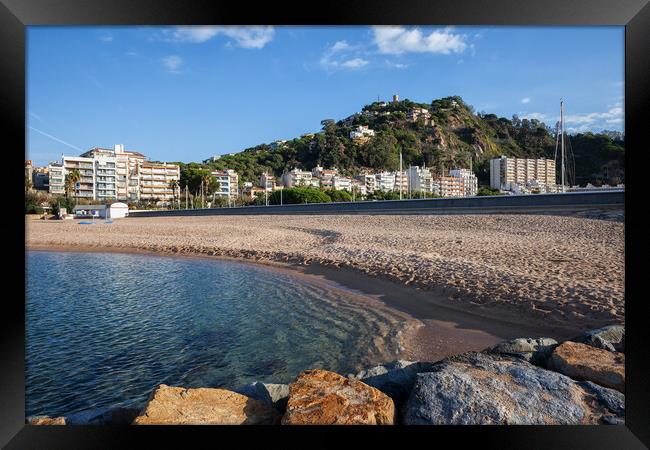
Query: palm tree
x=206, y=181
x=71, y=180
x=173, y=185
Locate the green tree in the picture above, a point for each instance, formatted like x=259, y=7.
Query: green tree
x=299, y=195
x=71, y=180
x=339, y=195
x=484, y=190
x=381, y=152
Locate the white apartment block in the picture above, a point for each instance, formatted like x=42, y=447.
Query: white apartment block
x=228, y=182
x=105, y=164
x=156, y=182
x=342, y=183
x=513, y=174
x=114, y=174
x=470, y=181
x=297, y=177
x=85, y=187
x=421, y=180
x=56, y=174
x=385, y=181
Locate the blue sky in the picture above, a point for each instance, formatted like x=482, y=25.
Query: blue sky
x=186, y=93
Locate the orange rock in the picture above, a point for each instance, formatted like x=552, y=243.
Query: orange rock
x=46, y=420
x=320, y=397
x=179, y=406
x=583, y=362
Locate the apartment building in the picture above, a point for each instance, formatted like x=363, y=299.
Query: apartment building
x=451, y=186
x=470, y=181
x=421, y=180
x=512, y=174
x=41, y=178
x=297, y=177
x=127, y=182
x=368, y=180
x=342, y=183
x=401, y=180
x=85, y=187
x=385, y=181
x=56, y=178
x=156, y=182
x=324, y=176
x=228, y=182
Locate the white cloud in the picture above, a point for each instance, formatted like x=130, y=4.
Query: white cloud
x=525, y=100
x=533, y=115
x=172, y=63
x=397, y=40
x=339, y=46
x=395, y=65
x=354, y=63
x=615, y=113
x=106, y=38
x=246, y=37
x=342, y=55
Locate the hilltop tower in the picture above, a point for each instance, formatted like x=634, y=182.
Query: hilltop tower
x=395, y=98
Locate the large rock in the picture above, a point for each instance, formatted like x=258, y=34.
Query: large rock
x=103, y=416
x=485, y=389
x=320, y=397
x=395, y=379
x=46, y=420
x=179, y=406
x=275, y=395
x=534, y=350
x=583, y=362
x=610, y=338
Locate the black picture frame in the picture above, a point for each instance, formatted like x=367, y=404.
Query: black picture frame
x=15, y=15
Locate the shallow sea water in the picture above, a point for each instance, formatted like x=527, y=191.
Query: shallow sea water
x=103, y=329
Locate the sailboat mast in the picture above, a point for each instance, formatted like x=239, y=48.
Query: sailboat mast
x=562, y=139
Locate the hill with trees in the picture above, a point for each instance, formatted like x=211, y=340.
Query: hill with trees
x=458, y=138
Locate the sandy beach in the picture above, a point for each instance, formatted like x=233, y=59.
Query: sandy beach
x=473, y=280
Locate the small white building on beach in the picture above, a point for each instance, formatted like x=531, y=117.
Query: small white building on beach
x=113, y=211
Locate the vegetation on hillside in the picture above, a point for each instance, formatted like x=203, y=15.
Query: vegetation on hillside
x=458, y=138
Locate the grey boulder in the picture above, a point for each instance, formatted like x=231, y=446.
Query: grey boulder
x=487, y=389
x=394, y=379
x=534, y=350
x=610, y=338
x=275, y=395
x=103, y=416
